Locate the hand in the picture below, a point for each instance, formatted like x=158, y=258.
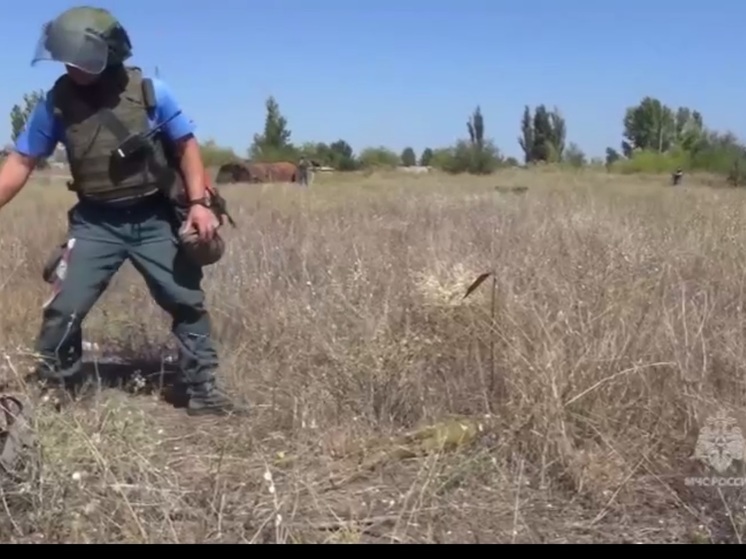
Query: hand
x=203, y=220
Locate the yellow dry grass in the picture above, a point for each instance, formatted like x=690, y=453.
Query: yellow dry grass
x=568, y=414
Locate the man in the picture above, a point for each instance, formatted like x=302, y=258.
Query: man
x=303, y=171
x=122, y=212
x=677, y=176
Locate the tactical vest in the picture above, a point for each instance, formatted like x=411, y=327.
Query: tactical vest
x=96, y=119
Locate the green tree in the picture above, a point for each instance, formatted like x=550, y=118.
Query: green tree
x=612, y=156
x=649, y=126
x=442, y=158
x=660, y=138
x=477, y=155
x=338, y=155
x=475, y=126
x=214, y=155
x=475, y=159
x=274, y=143
x=543, y=135
x=379, y=157
x=526, y=140
x=574, y=156
x=343, y=156
x=19, y=114
x=408, y=157
x=689, y=131
x=557, y=134
x=426, y=157
x=717, y=152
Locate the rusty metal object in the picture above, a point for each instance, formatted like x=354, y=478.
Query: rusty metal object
x=241, y=172
x=249, y=172
x=283, y=171
x=16, y=434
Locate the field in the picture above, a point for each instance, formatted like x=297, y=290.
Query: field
x=561, y=403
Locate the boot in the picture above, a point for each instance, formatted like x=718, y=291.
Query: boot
x=55, y=394
x=54, y=389
x=207, y=399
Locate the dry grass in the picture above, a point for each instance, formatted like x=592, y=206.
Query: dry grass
x=618, y=327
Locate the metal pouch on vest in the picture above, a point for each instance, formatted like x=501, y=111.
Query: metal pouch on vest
x=133, y=146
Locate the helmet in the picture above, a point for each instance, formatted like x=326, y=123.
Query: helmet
x=200, y=252
x=84, y=37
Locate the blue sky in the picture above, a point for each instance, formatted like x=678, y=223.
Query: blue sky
x=410, y=72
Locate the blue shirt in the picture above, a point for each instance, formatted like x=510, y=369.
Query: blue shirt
x=44, y=130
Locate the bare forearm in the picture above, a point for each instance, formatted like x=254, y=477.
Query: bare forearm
x=192, y=169
x=14, y=173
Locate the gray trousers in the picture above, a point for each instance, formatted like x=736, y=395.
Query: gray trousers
x=104, y=239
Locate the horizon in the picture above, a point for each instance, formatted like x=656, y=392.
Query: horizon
x=382, y=76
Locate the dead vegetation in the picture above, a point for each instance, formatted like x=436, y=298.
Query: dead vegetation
x=560, y=403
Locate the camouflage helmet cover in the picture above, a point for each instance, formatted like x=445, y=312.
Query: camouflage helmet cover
x=85, y=37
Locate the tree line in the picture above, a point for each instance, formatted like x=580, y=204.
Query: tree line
x=656, y=138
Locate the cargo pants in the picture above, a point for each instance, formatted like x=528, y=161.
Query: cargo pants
x=104, y=238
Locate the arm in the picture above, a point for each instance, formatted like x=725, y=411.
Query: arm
x=180, y=131
x=36, y=141
x=192, y=167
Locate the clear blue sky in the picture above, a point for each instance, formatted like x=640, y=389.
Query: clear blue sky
x=410, y=72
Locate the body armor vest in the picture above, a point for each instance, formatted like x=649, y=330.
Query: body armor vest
x=96, y=119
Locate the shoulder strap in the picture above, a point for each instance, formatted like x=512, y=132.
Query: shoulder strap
x=150, y=102
x=60, y=94
x=148, y=96
x=105, y=116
